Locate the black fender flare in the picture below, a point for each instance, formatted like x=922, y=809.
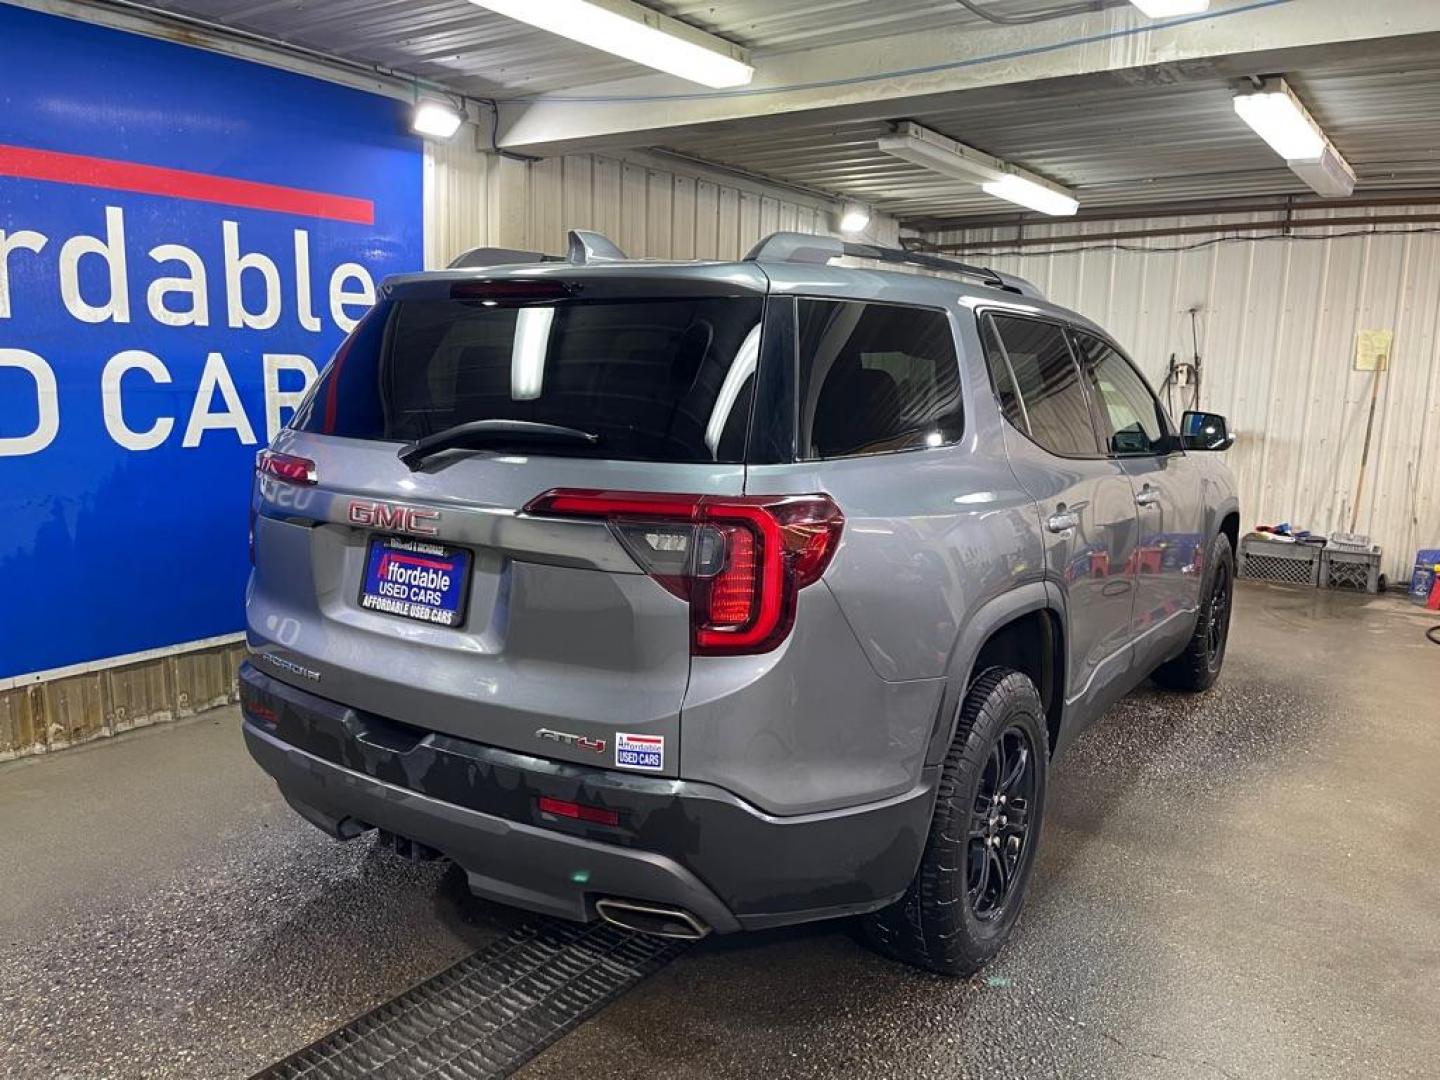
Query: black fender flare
x=979, y=626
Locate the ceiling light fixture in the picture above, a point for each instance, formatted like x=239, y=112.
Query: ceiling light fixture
x=1329, y=174
x=1164, y=9
x=938, y=153
x=1024, y=192
x=636, y=33
x=1279, y=117
x=853, y=218
x=435, y=120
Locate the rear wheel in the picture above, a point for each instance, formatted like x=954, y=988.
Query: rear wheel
x=968, y=892
x=1199, y=665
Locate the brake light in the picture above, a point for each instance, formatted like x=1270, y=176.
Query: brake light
x=740, y=562
x=287, y=467
x=510, y=291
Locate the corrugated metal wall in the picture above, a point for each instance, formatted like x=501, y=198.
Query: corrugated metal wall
x=1277, y=321
x=651, y=206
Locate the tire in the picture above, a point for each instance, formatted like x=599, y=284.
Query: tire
x=950, y=920
x=1198, y=667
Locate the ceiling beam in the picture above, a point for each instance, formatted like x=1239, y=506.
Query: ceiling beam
x=891, y=76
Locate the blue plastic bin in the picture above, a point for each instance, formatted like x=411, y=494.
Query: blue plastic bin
x=1423, y=580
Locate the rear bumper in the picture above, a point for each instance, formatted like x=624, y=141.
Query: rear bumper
x=685, y=844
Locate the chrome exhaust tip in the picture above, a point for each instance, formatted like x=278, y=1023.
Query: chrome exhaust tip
x=657, y=920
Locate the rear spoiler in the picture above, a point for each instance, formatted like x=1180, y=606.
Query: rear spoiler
x=803, y=248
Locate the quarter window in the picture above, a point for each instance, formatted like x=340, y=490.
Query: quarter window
x=875, y=378
x=1034, y=365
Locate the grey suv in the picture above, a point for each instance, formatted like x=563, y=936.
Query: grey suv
x=720, y=596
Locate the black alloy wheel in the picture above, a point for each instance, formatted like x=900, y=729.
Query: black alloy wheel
x=1217, y=627
x=1000, y=823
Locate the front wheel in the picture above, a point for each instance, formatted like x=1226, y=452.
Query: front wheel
x=1199, y=665
x=968, y=892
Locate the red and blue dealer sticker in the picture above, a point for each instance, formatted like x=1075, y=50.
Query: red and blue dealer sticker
x=640, y=752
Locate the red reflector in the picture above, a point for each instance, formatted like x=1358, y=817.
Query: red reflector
x=578, y=811
x=287, y=467
x=263, y=713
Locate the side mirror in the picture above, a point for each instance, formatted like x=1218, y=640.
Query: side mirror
x=1205, y=431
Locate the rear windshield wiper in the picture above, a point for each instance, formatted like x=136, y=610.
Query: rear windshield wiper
x=479, y=433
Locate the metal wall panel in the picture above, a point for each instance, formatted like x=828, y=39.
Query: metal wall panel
x=1277, y=320
x=652, y=206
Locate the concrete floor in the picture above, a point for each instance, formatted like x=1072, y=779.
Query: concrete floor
x=1244, y=884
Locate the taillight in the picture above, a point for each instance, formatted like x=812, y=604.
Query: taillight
x=739, y=561
x=287, y=467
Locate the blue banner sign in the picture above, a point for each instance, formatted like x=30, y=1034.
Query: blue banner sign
x=184, y=240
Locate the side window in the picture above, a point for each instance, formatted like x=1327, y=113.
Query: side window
x=1056, y=414
x=875, y=378
x=1130, y=415
x=1001, y=377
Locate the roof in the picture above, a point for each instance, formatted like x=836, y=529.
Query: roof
x=1122, y=140
x=476, y=52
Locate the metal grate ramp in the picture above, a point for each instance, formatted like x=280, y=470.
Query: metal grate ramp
x=491, y=1012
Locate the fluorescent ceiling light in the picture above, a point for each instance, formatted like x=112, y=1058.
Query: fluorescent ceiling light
x=635, y=33
x=434, y=120
x=1278, y=117
x=1281, y=119
x=1017, y=189
x=527, y=352
x=1329, y=174
x=854, y=218
x=931, y=150
x=1163, y=9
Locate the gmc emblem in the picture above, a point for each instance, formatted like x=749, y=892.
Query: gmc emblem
x=381, y=515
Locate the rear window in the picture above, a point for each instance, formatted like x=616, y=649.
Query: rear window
x=656, y=380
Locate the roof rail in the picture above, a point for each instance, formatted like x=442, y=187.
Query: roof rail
x=804, y=248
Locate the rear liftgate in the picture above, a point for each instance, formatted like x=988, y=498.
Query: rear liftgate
x=491, y=1012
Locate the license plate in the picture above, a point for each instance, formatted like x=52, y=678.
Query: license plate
x=416, y=579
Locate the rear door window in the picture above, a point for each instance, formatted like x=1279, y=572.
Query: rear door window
x=1042, y=375
x=875, y=378
x=656, y=380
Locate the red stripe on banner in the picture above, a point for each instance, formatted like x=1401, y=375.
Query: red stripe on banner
x=30, y=164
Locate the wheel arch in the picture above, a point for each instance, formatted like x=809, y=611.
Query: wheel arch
x=1021, y=629
x=1230, y=526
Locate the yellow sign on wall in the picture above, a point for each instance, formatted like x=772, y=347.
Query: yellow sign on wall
x=1372, y=349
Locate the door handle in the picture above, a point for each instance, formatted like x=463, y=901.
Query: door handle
x=1062, y=521
x=1147, y=496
